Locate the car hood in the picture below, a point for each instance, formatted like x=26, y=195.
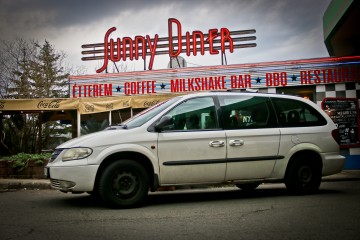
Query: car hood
x=102, y=138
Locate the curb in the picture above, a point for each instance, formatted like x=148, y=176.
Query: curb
x=26, y=184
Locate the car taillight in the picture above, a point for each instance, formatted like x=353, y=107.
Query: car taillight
x=336, y=135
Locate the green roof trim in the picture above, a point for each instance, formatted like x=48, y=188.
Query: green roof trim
x=333, y=14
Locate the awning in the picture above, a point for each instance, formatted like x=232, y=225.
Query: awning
x=41, y=104
x=82, y=105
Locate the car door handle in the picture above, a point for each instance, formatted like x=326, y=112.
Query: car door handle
x=236, y=142
x=217, y=144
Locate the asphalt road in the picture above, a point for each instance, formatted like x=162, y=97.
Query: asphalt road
x=221, y=213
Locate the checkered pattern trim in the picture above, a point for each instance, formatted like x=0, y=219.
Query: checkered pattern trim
x=339, y=90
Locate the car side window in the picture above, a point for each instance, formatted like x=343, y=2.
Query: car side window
x=244, y=112
x=194, y=114
x=293, y=113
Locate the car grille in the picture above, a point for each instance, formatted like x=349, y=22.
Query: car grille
x=55, y=154
x=55, y=183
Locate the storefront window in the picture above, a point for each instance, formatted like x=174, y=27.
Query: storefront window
x=308, y=92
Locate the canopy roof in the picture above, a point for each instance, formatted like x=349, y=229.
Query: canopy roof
x=82, y=105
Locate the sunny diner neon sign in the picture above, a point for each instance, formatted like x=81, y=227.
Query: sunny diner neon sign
x=127, y=48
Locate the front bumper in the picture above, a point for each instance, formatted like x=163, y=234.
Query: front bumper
x=72, y=178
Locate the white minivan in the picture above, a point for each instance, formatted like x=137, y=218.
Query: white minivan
x=205, y=138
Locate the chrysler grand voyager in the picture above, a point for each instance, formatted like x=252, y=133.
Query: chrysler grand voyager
x=206, y=138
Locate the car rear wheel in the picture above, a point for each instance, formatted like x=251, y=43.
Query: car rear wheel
x=124, y=184
x=303, y=177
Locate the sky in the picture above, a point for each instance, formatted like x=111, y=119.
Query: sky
x=285, y=29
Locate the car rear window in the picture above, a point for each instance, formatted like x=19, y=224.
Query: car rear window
x=293, y=113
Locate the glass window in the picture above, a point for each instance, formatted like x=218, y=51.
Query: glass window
x=292, y=113
x=194, y=114
x=148, y=114
x=243, y=112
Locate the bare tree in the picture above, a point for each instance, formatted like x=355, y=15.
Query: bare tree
x=15, y=57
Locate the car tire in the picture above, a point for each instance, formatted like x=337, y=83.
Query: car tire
x=124, y=184
x=248, y=186
x=303, y=177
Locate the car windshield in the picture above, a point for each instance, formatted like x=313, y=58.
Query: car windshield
x=149, y=113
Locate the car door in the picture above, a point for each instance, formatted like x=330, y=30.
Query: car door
x=192, y=149
x=252, y=136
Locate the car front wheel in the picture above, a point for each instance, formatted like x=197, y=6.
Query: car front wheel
x=124, y=184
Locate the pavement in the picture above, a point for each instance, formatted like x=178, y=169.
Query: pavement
x=34, y=184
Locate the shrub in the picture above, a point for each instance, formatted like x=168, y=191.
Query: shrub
x=20, y=161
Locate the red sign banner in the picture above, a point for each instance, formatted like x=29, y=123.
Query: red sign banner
x=239, y=76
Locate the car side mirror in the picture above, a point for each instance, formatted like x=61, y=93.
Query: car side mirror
x=164, y=121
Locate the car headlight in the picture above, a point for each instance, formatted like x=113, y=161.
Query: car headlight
x=76, y=153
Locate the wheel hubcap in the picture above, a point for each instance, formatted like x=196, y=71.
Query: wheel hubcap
x=125, y=184
x=305, y=174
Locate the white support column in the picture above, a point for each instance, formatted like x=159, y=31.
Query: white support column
x=78, y=123
x=110, y=116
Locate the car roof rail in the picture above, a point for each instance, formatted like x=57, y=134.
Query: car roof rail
x=249, y=90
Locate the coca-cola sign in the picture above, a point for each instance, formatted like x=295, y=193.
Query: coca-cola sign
x=150, y=103
x=126, y=104
x=109, y=106
x=89, y=108
x=49, y=104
